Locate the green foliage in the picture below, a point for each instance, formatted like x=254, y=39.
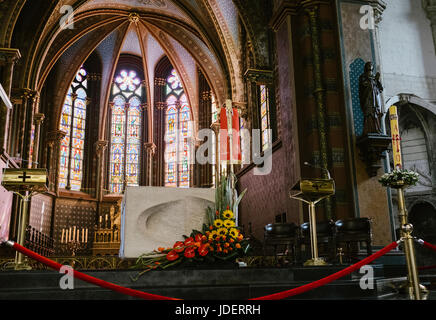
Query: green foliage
x=399, y=176
x=225, y=197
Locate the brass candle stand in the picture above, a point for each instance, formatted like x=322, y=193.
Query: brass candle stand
x=25, y=183
x=74, y=246
x=74, y=239
x=311, y=192
x=413, y=286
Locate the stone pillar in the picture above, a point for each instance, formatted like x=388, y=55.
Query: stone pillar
x=100, y=147
x=54, y=139
x=8, y=58
x=430, y=8
x=38, y=119
x=27, y=98
x=256, y=77
x=216, y=129
x=150, y=149
x=160, y=143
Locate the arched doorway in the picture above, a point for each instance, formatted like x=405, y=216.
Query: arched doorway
x=423, y=217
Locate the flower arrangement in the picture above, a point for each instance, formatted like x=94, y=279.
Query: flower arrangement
x=399, y=178
x=220, y=239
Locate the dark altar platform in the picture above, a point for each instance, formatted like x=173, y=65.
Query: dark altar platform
x=206, y=284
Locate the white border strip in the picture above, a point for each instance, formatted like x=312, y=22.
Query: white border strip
x=5, y=98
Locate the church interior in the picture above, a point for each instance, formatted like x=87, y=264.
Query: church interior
x=105, y=97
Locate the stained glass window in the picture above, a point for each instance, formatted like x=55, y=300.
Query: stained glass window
x=265, y=116
x=126, y=122
x=177, y=134
x=73, y=122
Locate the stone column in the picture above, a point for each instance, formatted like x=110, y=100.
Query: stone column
x=27, y=99
x=430, y=8
x=100, y=147
x=160, y=142
x=8, y=58
x=150, y=149
x=54, y=140
x=216, y=129
x=38, y=119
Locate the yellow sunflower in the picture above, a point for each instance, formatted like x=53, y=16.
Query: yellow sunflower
x=228, y=214
x=234, y=233
x=218, y=223
x=222, y=231
x=212, y=235
x=229, y=223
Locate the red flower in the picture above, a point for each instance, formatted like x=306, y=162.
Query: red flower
x=203, y=250
x=179, y=246
x=189, y=242
x=198, y=237
x=190, y=252
x=172, y=256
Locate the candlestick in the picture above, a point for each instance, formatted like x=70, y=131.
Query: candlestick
x=69, y=239
x=86, y=235
x=63, y=234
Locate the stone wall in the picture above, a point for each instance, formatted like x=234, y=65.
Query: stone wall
x=407, y=50
x=268, y=195
x=70, y=213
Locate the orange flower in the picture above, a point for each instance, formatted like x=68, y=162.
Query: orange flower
x=210, y=227
x=226, y=251
x=203, y=250
x=161, y=249
x=226, y=245
x=172, y=256
x=189, y=241
x=231, y=240
x=238, y=246
x=157, y=263
x=198, y=237
x=179, y=246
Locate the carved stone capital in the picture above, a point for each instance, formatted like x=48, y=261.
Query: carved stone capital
x=9, y=55
x=259, y=76
x=38, y=118
x=150, y=148
x=100, y=147
x=161, y=105
x=55, y=137
x=242, y=109
x=22, y=95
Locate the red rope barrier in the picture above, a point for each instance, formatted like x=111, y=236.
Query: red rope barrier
x=427, y=267
x=104, y=284
x=139, y=294
x=333, y=277
x=429, y=246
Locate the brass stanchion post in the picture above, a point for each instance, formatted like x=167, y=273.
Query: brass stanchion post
x=20, y=262
x=409, y=249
